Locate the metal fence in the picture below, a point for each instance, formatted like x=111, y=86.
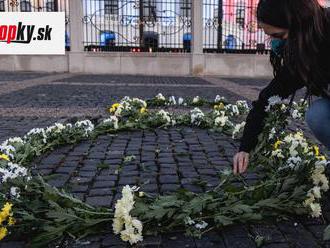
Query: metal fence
x=40, y=6
x=231, y=26
x=137, y=25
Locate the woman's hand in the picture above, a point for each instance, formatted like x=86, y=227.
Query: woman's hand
x=241, y=162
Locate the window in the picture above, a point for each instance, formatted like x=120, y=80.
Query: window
x=149, y=10
x=185, y=8
x=25, y=6
x=111, y=7
x=50, y=6
x=2, y=5
x=240, y=14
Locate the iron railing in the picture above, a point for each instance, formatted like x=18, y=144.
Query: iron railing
x=137, y=25
x=231, y=26
x=159, y=25
x=40, y=6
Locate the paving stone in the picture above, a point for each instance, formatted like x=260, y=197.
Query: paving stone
x=270, y=232
x=112, y=240
x=165, y=188
x=99, y=201
x=81, y=180
x=106, y=178
x=291, y=232
x=87, y=173
x=12, y=244
x=104, y=184
x=79, y=188
x=151, y=188
x=65, y=170
x=59, y=180
x=276, y=245
x=168, y=179
x=128, y=180
x=211, y=239
x=177, y=240
x=101, y=192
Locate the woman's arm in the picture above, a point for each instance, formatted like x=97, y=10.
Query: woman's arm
x=283, y=85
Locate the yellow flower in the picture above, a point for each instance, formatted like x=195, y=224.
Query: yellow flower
x=277, y=144
x=11, y=221
x=322, y=158
x=7, y=208
x=4, y=157
x=3, y=232
x=316, y=150
x=220, y=106
x=114, y=107
x=5, y=212
x=141, y=194
x=143, y=110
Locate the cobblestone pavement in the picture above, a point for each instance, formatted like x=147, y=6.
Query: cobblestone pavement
x=161, y=160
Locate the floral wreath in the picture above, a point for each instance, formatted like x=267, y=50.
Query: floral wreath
x=290, y=167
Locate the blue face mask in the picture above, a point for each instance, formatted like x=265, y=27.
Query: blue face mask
x=277, y=45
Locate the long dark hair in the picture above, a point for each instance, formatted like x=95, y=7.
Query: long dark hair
x=306, y=22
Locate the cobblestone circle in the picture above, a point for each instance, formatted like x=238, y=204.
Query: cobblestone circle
x=159, y=161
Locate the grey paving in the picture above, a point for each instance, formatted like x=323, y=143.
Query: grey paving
x=5, y=76
x=98, y=96
x=134, y=79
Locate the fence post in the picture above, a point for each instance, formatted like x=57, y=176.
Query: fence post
x=76, y=25
x=197, y=58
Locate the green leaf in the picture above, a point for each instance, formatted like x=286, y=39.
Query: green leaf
x=223, y=220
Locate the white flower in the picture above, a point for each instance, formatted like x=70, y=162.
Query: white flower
x=12, y=171
x=272, y=133
x=87, y=125
x=201, y=225
x=295, y=114
x=132, y=233
x=196, y=99
x=293, y=162
x=219, y=99
x=140, y=102
x=129, y=228
x=165, y=116
x=238, y=128
x=172, y=100
x=160, y=97
x=243, y=105
x=113, y=120
x=232, y=109
x=273, y=101
x=278, y=153
x=180, y=101
x=316, y=192
x=8, y=150
x=13, y=141
x=316, y=210
x=221, y=120
x=196, y=116
x=14, y=192
x=309, y=200
x=319, y=178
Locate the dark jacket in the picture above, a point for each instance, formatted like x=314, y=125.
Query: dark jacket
x=284, y=85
